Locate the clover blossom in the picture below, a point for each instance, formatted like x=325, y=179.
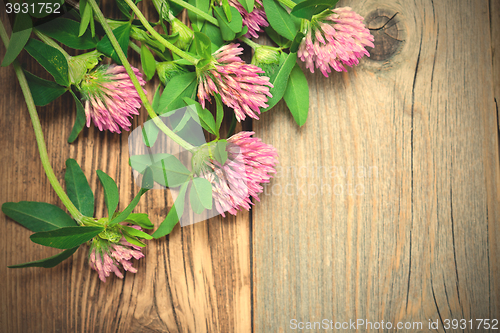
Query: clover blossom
x=250, y=163
x=110, y=98
x=107, y=255
x=239, y=84
x=254, y=20
x=334, y=38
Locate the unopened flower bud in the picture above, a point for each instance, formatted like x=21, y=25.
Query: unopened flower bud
x=80, y=64
x=139, y=34
x=267, y=58
x=163, y=9
x=111, y=235
x=167, y=70
x=185, y=34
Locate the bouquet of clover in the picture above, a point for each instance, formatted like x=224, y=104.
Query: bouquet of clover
x=195, y=63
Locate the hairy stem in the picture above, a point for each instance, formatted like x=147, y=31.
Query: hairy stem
x=137, y=49
x=134, y=47
x=157, y=36
x=37, y=127
x=158, y=122
x=197, y=11
x=249, y=42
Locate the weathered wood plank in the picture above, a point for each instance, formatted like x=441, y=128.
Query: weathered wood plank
x=491, y=146
x=197, y=280
x=419, y=238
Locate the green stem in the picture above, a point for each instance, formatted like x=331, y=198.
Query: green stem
x=37, y=127
x=134, y=47
x=158, y=37
x=289, y=3
x=249, y=42
x=137, y=49
x=49, y=41
x=133, y=78
x=197, y=11
x=254, y=45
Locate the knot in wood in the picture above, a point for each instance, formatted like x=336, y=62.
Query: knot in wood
x=385, y=27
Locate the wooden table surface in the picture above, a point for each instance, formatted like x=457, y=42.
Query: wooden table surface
x=386, y=205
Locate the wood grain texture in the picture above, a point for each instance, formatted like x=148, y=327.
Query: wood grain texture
x=492, y=147
x=196, y=280
x=417, y=238
x=386, y=205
